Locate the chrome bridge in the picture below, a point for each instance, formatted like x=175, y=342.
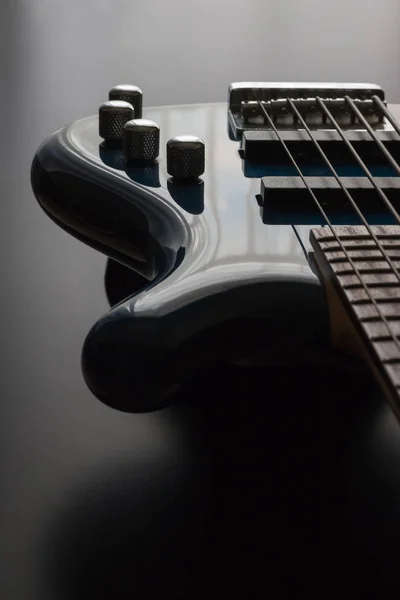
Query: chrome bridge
x=247, y=101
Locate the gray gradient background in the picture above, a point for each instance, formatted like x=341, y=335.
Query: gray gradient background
x=57, y=61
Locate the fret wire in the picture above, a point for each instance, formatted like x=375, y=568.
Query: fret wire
x=386, y=113
x=359, y=160
x=329, y=224
x=340, y=182
x=372, y=133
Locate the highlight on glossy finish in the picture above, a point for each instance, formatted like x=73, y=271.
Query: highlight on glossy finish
x=226, y=283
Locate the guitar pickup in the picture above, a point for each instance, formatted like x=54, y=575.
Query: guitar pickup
x=264, y=146
x=286, y=200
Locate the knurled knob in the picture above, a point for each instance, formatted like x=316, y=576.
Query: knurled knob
x=129, y=93
x=185, y=157
x=141, y=140
x=112, y=117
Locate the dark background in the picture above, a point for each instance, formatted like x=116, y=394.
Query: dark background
x=98, y=502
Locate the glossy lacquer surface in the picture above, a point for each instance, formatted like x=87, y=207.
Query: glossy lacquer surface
x=209, y=260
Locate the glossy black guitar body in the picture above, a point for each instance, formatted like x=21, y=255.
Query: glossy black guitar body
x=223, y=286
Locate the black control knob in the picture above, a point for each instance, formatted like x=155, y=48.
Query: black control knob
x=141, y=140
x=185, y=157
x=129, y=93
x=112, y=117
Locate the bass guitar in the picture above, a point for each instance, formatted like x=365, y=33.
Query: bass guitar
x=234, y=214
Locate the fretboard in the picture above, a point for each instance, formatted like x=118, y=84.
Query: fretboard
x=363, y=290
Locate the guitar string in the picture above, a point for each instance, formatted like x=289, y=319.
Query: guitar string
x=386, y=113
x=343, y=187
x=358, y=159
x=347, y=256
x=329, y=224
x=373, y=135
x=302, y=246
x=363, y=166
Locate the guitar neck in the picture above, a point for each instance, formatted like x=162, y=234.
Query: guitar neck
x=361, y=276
